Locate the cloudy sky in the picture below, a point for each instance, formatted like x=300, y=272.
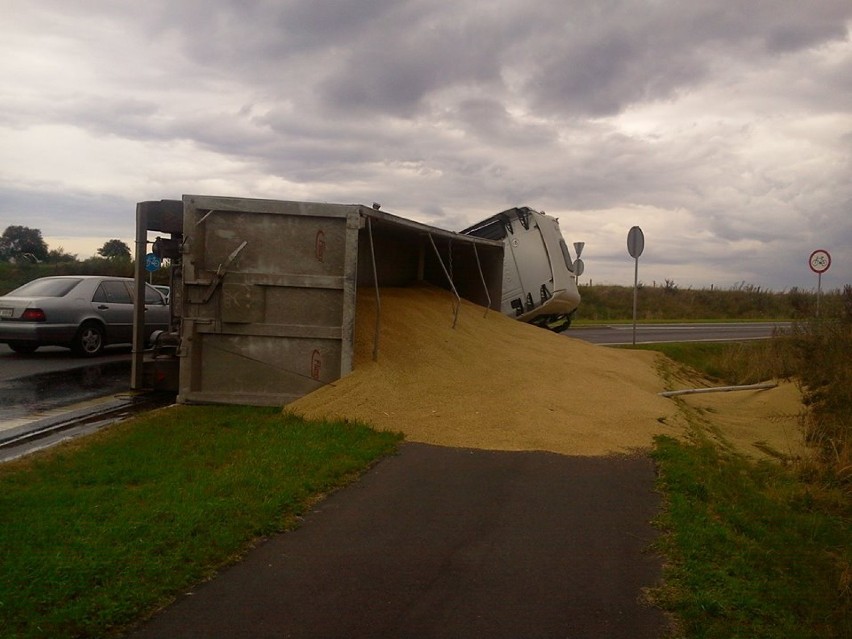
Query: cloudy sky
x=722, y=128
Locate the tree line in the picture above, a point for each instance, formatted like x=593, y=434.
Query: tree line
x=25, y=256
x=23, y=244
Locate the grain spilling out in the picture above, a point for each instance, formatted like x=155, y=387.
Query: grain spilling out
x=491, y=382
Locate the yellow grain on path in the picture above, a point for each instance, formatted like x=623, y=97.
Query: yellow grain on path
x=491, y=382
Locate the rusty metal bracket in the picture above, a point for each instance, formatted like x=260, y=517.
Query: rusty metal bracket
x=220, y=273
x=204, y=217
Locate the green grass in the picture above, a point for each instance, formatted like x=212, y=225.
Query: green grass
x=98, y=533
x=758, y=549
x=729, y=362
x=702, y=356
x=751, y=551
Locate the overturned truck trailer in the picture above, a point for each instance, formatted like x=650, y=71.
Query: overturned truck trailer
x=263, y=291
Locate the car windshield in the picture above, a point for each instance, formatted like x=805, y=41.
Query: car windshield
x=47, y=287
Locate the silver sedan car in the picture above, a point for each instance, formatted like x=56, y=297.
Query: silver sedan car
x=80, y=312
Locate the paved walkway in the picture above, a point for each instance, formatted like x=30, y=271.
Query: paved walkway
x=445, y=542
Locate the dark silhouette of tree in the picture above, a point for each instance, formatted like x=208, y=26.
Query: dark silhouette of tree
x=22, y=243
x=115, y=250
x=55, y=256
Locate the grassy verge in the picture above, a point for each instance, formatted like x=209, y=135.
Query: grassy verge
x=99, y=532
x=728, y=362
x=752, y=551
x=755, y=549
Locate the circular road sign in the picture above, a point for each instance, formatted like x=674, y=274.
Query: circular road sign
x=819, y=261
x=635, y=242
x=152, y=262
x=579, y=267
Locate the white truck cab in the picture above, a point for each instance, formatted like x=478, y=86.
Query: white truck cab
x=539, y=285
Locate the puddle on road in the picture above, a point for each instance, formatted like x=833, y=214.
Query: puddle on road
x=42, y=393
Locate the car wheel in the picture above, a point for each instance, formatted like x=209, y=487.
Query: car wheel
x=89, y=340
x=24, y=348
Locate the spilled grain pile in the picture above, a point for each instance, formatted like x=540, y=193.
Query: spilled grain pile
x=491, y=382
x=758, y=423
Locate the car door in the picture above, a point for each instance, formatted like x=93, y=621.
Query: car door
x=113, y=303
x=157, y=314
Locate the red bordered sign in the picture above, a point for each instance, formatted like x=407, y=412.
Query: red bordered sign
x=819, y=261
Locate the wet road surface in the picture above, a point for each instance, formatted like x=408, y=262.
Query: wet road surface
x=444, y=542
x=44, y=391
x=51, y=396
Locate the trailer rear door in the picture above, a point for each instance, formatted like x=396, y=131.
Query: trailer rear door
x=269, y=298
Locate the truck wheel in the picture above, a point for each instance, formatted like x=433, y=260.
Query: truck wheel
x=89, y=340
x=559, y=323
x=25, y=348
x=563, y=327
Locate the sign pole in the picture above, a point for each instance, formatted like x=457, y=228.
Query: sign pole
x=635, y=293
x=819, y=290
x=819, y=261
x=635, y=246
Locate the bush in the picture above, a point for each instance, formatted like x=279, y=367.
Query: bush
x=821, y=352
x=668, y=302
x=14, y=275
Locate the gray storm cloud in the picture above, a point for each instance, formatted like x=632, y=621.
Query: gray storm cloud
x=722, y=128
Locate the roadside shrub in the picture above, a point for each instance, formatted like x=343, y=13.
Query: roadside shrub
x=669, y=302
x=14, y=275
x=754, y=362
x=821, y=351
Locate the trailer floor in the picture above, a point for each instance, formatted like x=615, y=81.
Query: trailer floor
x=450, y=542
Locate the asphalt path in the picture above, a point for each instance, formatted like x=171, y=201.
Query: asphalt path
x=446, y=542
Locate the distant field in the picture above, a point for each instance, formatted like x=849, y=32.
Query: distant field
x=670, y=303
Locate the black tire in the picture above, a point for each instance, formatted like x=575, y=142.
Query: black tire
x=24, y=348
x=563, y=326
x=89, y=340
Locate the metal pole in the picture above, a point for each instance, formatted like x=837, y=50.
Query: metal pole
x=457, y=304
x=635, y=289
x=136, y=362
x=718, y=389
x=482, y=277
x=819, y=290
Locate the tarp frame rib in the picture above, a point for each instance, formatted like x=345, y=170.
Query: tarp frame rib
x=378, y=296
x=457, y=304
x=482, y=277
